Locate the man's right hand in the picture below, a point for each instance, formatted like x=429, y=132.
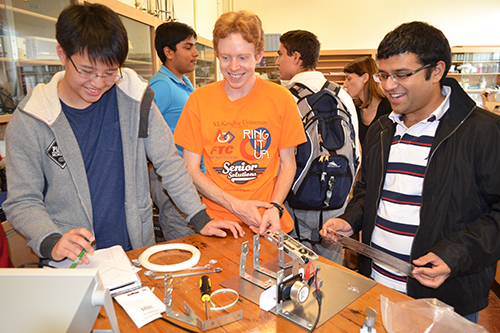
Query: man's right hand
x=338, y=225
x=248, y=211
x=72, y=243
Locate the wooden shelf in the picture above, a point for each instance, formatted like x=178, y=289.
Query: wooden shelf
x=266, y=68
x=30, y=18
x=475, y=61
x=333, y=69
x=477, y=90
x=5, y=118
x=32, y=62
x=38, y=62
x=466, y=74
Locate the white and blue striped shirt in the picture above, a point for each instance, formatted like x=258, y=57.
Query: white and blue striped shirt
x=398, y=215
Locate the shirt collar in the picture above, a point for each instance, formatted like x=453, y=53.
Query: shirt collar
x=307, y=75
x=168, y=72
x=437, y=114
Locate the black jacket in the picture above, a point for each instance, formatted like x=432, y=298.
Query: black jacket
x=460, y=211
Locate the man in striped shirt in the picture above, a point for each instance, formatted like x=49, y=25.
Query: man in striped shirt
x=430, y=187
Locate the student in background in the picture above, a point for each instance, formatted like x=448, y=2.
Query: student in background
x=78, y=149
x=367, y=94
x=298, y=56
x=175, y=45
x=245, y=128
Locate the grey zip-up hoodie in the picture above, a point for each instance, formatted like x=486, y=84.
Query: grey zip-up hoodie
x=48, y=191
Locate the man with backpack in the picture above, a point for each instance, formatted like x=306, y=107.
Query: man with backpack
x=328, y=161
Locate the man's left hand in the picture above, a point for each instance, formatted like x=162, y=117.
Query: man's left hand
x=215, y=228
x=431, y=277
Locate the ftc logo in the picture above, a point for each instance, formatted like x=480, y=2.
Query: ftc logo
x=224, y=137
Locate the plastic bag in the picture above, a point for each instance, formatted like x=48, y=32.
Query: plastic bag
x=427, y=315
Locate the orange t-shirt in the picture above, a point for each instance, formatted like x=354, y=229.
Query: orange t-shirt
x=240, y=140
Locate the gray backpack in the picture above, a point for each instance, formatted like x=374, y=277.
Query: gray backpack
x=326, y=163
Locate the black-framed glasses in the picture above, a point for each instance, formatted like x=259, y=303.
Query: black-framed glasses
x=398, y=77
x=92, y=76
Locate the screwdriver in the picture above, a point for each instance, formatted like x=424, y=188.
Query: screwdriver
x=205, y=286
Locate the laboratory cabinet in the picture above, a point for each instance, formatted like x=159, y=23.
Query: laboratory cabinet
x=28, y=45
x=476, y=68
x=206, y=65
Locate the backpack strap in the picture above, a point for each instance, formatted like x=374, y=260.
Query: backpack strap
x=300, y=91
x=332, y=86
x=335, y=88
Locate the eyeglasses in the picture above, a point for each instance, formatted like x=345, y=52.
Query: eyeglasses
x=398, y=77
x=92, y=76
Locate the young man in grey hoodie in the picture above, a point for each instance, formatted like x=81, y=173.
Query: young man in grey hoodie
x=78, y=149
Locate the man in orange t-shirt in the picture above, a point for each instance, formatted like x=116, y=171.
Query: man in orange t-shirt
x=246, y=129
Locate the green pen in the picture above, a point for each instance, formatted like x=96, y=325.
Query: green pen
x=75, y=263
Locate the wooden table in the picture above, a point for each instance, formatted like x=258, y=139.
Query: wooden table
x=227, y=253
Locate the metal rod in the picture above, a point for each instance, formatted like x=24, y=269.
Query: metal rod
x=215, y=270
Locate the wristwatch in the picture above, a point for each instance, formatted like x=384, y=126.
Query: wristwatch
x=281, y=209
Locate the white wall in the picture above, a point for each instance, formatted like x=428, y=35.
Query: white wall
x=184, y=11
x=206, y=14
x=354, y=24
x=361, y=24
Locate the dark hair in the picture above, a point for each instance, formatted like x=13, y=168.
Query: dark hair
x=94, y=29
x=170, y=34
x=304, y=42
x=360, y=66
x=428, y=43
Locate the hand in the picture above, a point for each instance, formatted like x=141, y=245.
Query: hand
x=248, y=211
x=214, y=228
x=270, y=221
x=431, y=277
x=339, y=225
x=72, y=243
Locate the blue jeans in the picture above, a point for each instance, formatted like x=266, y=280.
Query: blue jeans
x=472, y=317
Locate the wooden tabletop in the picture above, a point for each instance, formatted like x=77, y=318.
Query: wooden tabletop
x=227, y=253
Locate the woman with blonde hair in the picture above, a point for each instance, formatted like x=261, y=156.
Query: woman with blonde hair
x=367, y=94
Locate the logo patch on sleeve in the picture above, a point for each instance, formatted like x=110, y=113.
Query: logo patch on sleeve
x=55, y=154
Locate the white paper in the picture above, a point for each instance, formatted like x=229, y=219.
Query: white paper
x=141, y=305
x=115, y=269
